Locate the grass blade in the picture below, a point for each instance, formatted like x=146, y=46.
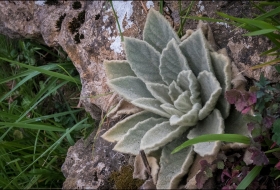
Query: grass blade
x=117, y=20
x=28, y=72
x=213, y=137
x=50, y=73
x=45, y=117
x=257, y=23
x=207, y=19
x=266, y=64
x=269, y=51
x=31, y=126
x=260, y=32
x=249, y=177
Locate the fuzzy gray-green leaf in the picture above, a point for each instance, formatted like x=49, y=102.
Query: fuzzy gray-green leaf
x=150, y=104
x=174, y=166
x=213, y=124
x=118, y=68
x=120, y=129
x=187, y=81
x=188, y=119
x=130, y=88
x=210, y=93
x=195, y=50
x=160, y=135
x=222, y=69
x=183, y=102
x=134, y=135
x=159, y=91
x=169, y=108
x=143, y=59
x=157, y=31
x=172, y=62
x=174, y=91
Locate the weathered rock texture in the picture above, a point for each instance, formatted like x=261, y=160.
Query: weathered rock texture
x=33, y=19
x=89, y=163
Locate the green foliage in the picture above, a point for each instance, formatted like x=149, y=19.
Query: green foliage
x=37, y=119
x=180, y=85
x=264, y=127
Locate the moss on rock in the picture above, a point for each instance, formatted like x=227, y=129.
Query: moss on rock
x=123, y=179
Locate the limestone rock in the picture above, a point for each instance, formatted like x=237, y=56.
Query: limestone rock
x=89, y=163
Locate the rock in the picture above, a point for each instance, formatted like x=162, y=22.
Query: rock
x=89, y=163
x=101, y=41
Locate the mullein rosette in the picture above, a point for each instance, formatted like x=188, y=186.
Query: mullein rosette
x=180, y=86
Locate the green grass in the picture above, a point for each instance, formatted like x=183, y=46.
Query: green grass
x=38, y=119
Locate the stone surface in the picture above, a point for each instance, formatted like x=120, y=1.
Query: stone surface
x=33, y=19
x=89, y=163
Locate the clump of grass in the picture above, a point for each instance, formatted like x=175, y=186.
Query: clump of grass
x=38, y=122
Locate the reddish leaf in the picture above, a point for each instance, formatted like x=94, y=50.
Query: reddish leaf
x=252, y=98
x=204, y=174
x=268, y=121
x=224, y=174
x=232, y=96
x=243, y=100
x=259, y=158
x=246, y=110
x=201, y=178
x=251, y=126
x=277, y=166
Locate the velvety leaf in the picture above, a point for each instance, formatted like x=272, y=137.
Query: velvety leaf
x=195, y=50
x=213, y=124
x=174, y=91
x=143, y=59
x=172, y=62
x=118, y=68
x=150, y=104
x=160, y=92
x=222, y=69
x=120, y=129
x=165, y=133
x=174, y=166
x=210, y=92
x=183, y=102
x=134, y=135
x=188, y=119
x=169, y=108
x=158, y=31
x=188, y=82
x=130, y=88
